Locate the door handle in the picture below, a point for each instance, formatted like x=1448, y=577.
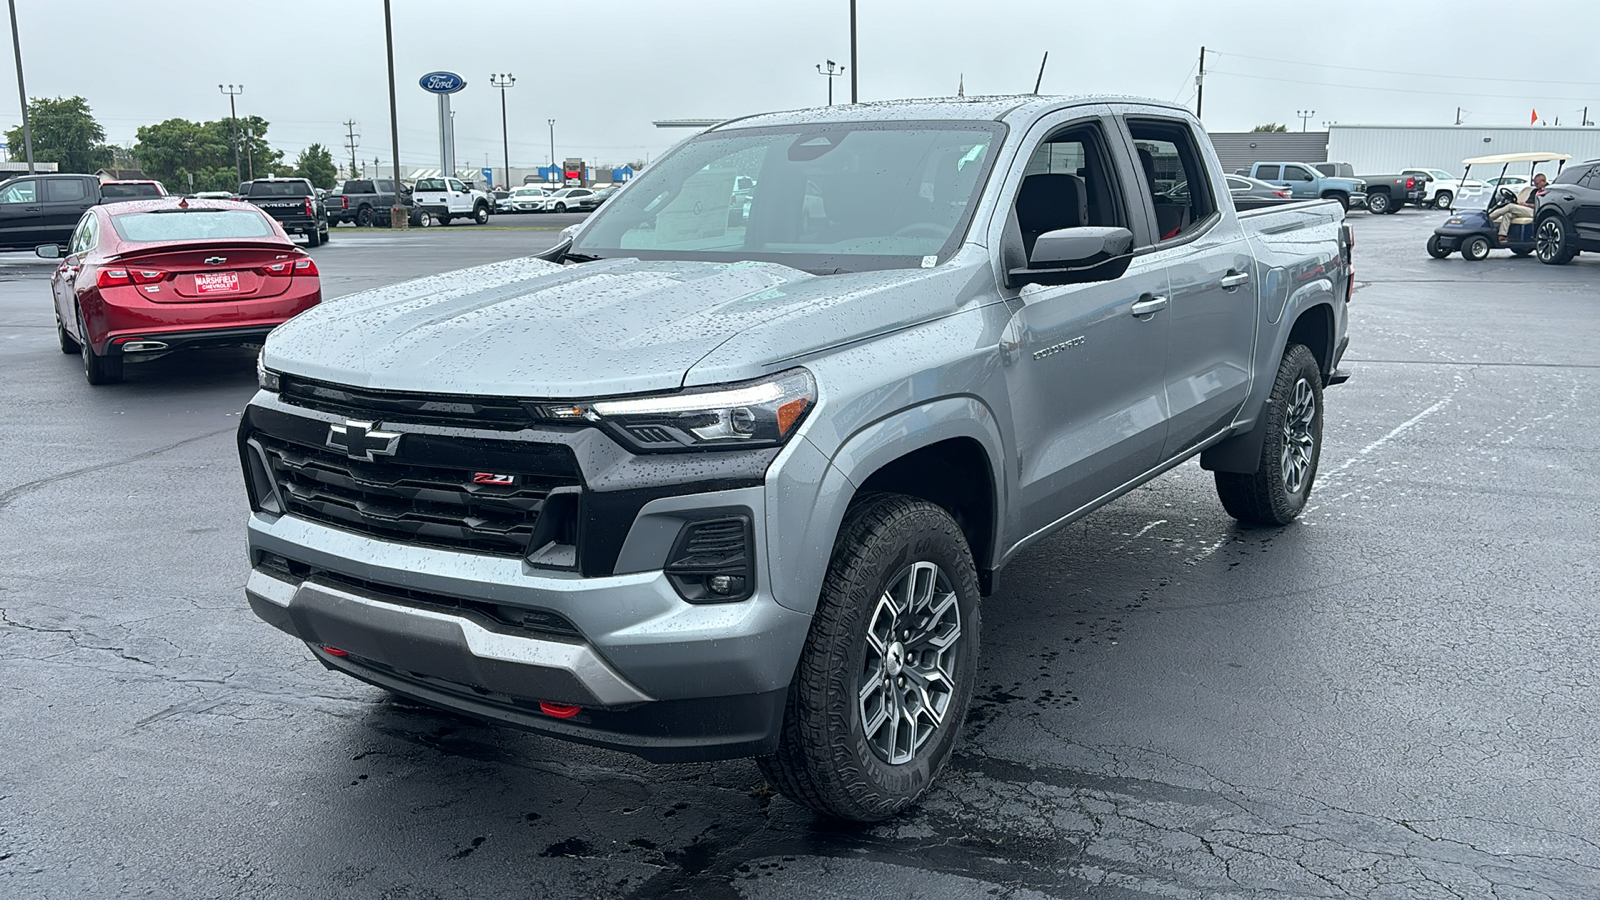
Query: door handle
x=1149, y=305
x=1235, y=279
x=1566, y=196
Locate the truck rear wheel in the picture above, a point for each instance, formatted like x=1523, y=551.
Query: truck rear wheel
x=364, y=216
x=481, y=214
x=314, y=237
x=1276, y=492
x=1378, y=203
x=887, y=670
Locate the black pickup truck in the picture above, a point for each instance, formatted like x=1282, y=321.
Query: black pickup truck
x=367, y=201
x=45, y=208
x=293, y=202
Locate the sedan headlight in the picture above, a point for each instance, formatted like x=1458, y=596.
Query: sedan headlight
x=761, y=413
x=265, y=377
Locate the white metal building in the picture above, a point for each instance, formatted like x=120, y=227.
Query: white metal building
x=1390, y=148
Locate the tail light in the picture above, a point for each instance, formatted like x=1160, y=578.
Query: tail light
x=310, y=210
x=1411, y=183
x=1282, y=194
x=146, y=276
x=344, y=202
x=113, y=277
x=305, y=267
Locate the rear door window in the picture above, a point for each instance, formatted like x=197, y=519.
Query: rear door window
x=1269, y=173
x=66, y=190
x=1175, y=174
x=430, y=184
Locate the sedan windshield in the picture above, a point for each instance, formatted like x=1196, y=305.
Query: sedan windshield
x=192, y=225
x=817, y=197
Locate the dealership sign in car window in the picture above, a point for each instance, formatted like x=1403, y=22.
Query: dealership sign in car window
x=216, y=283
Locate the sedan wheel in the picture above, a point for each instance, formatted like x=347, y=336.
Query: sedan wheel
x=98, y=369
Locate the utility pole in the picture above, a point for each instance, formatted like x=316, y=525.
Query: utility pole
x=563, y=178
x=502, y=82
x=1304, y=114
x=855, y=96
x=398, y=216
x=352, y=141
x=1200, y=86
x=832, y=72
x=22, y=92
x=233, y=117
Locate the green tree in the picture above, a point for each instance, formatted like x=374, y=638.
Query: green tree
x=176, y=149
x=65, y=133
x=1269, y=127
x=315, y=163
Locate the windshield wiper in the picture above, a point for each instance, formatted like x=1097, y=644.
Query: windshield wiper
x=580, y=257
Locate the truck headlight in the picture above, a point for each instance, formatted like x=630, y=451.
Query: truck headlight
x=761, y=413
x=265, y=377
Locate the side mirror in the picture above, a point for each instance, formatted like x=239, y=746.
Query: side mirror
x=48, y=251
x=1076, y=256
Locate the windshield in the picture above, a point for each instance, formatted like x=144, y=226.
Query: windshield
x=192, y=225
x=816, y=197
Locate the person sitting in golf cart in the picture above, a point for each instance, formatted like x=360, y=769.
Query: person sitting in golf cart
x=1520, y=212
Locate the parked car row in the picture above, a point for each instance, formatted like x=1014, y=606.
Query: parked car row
x=539, y=198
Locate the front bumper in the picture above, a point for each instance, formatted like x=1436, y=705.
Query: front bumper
x=653, y=675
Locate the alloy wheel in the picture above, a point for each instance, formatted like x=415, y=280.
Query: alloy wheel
x=908, y=676
x=1547, y=241
x=1299, y=441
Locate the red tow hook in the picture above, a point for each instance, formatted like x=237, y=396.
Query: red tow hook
x=559, y=710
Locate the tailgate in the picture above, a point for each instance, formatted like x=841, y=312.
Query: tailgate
x=282, y=207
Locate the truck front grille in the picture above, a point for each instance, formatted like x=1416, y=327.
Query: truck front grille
x=438, y=507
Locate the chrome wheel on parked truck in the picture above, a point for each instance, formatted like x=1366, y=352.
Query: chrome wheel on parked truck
x=887, y=670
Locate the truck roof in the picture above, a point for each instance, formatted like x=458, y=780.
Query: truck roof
x=1020, y=107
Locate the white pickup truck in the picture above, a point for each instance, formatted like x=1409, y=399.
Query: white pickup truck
x=442, y=199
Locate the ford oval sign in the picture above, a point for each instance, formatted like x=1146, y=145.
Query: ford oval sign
x=442, y=82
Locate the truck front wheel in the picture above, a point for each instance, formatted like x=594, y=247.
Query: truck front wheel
x=1342, y=198
x=1276, y=492
x=887, y=670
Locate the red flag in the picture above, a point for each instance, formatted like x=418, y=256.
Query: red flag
x=1534, y=119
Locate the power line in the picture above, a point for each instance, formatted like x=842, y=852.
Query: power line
x=1301, y=62
x=1361, y=87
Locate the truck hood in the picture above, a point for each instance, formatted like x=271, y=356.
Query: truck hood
x=530, y=328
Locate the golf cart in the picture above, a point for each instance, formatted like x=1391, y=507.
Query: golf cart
x=1471, y=231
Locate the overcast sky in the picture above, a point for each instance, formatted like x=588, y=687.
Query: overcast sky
x=604, y=71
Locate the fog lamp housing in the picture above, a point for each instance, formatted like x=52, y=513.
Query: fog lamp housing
x=713, y=560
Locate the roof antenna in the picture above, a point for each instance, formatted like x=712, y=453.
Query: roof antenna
x=1041, y=73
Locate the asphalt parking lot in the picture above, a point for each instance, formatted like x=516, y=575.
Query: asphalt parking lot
x=1393, y=697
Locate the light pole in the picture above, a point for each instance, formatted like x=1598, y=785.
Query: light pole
x=1305, y=116
x=398, y=217
x=233, y=118
x=561, y=180
x=832, y=72
x=854, y=69
x=250, y=153
x=22, y=92
x=502, y=82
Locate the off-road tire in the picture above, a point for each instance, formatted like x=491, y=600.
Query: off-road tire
x=68, y=345
x=824, y=760
x=1264, y=497
x=1476, y=248
x=98, y=369
x=1436, y=248
x=1379, y=204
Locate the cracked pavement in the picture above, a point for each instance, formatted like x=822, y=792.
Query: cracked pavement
x=1392, y=698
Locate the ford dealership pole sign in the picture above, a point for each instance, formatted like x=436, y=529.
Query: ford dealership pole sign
x=442, y=82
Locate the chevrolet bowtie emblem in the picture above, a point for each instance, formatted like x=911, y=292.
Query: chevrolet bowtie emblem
x=216, y=260
x=358, y=440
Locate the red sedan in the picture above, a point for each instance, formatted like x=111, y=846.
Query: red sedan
x=146, y=277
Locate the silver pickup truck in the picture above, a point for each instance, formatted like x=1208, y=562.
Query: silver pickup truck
x=729, y=471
